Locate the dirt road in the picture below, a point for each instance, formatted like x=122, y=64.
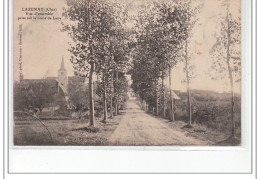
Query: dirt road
x=139, y=128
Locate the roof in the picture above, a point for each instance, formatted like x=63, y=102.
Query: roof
x=51, y=78
x=41, y=80
x=175, y=96
x=76, y=79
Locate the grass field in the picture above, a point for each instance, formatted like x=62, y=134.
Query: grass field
x=77, y=132
x=63, y=132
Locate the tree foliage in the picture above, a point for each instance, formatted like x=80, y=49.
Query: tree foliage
x=34, y=95
x=226, y=54
x=226, y=51
x=161, y=31
x=100, y=43
x=78, y=94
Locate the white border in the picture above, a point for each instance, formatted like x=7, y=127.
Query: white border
x=145, y=159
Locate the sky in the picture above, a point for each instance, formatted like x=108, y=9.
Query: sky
x=44, y=45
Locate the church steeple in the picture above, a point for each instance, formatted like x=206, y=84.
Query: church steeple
x=62, y=77
x=62, y=67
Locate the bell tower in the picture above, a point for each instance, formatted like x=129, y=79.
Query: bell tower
x=62, y=77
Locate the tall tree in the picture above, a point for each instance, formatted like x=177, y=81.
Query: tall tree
x=226, y=54
x=171, y=20
x=113, y=54
x=190, y=18
x=82, y=31
x=151, y=46
x=121, y=51
x=89, y=27
x=189, y=70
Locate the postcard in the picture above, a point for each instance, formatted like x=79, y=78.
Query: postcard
x=126, y=73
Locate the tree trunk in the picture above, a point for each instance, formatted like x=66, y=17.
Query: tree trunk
x=91, y=71
x=230, y=77
x=116, y=105
x=91, y=99
x=163, y=96
x=171, y=98
x=112, y=95
x=118, y=109
x=104, y=99
x=188, y=84
x=232, y=106
x=111, y=107
x=157, y=101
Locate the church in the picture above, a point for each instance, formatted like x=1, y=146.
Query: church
x=62, y=82
x=50, y=93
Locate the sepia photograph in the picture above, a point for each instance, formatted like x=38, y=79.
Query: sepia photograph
x=126, y=73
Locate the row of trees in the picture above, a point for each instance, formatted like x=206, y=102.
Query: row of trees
x=163, y=34
x=100, y=49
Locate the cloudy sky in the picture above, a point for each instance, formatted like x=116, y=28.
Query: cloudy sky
x=44, y=45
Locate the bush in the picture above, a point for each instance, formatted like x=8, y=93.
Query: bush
x=210, y=112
